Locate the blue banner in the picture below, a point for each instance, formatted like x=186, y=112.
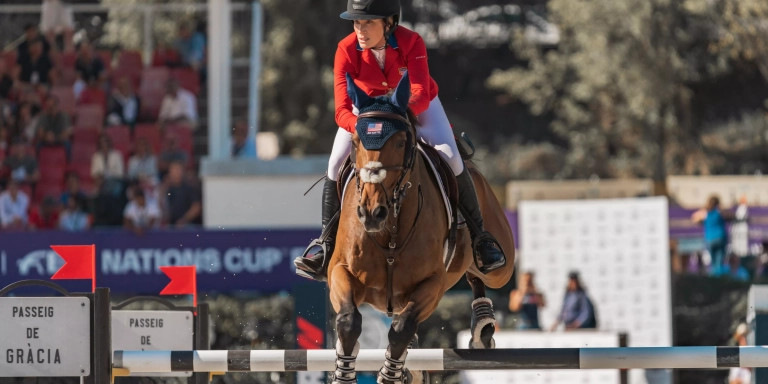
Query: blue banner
x=227, y=261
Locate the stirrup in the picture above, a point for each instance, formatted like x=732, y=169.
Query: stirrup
x=487, y=237
x=304, y=270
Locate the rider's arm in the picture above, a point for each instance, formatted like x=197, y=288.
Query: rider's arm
x=418, y=72
x=341, y=66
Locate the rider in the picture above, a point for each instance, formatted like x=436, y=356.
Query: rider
x=376, y=55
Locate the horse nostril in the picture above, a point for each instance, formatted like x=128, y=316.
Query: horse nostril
x=380, y=212
x=360, y=212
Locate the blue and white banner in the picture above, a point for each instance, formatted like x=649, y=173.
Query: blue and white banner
x=226, y=261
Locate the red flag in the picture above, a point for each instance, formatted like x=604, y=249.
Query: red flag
x=79, y=263
x=183, y=281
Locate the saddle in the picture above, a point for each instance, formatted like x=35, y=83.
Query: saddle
x=446, y=182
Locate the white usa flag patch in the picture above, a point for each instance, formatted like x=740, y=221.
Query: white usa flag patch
x=374, y=128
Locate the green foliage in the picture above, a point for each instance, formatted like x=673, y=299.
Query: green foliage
x=620, y=85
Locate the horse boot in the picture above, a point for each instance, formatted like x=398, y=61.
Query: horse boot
x=487, y=251
x=315, y=266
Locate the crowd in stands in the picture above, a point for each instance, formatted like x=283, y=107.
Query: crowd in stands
x=95, y=138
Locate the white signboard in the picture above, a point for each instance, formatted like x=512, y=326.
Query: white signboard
x=153, y=331
x=620, y=247
x=536, y=339
x=45, y=336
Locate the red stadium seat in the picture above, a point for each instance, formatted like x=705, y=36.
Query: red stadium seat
x=91, y=115
x=67, y=77
x=66, y=98
x=165, y=57
x=129, y=59
x=154, y=78
x=93, y=95
x=121, y=138
x=151, y=133
x=66, y=59
x=52, y=157
x=188, y=79
x=45, y=189
x=82, y=152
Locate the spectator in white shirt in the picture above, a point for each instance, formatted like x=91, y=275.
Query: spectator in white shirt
x=14, y=205
x=178, y=107
x=107, y=162
x=140, y=214
x=107, y=168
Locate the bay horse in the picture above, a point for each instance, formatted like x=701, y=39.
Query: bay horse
x=392, y=232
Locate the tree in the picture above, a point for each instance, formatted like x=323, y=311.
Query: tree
x=620, y=83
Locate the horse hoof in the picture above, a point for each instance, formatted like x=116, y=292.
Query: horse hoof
x=406, y=378
x=483, y=324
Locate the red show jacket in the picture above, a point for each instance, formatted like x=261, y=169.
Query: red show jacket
x=405, y=51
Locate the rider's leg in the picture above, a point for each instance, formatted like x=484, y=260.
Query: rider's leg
x=436, y=131
x=314, y=266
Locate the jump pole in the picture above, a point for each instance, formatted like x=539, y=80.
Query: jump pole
x=446, y=359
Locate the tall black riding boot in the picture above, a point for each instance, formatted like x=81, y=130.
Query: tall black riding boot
x=488, y=253
x=315, y=266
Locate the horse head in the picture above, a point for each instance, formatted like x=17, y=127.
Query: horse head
x=383, y=152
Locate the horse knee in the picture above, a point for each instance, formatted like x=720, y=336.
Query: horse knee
x=402, y=330
x=349, y=326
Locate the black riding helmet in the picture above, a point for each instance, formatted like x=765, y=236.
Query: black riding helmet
x=372, y=9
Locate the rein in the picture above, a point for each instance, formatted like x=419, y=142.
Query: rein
x=398, y=195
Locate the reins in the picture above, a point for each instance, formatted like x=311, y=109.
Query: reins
x=398, y=195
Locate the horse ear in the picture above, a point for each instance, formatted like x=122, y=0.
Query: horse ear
x=402, y=93
x=360, y=99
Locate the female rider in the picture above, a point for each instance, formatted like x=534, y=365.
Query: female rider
x=376, y=55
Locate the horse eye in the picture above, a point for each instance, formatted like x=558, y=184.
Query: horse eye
x=401, y=144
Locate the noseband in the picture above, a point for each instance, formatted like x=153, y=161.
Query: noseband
x=376, y=172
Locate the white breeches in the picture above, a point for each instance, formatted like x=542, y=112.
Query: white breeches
x=434, y=130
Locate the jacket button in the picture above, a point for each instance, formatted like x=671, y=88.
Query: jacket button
x=384, y=83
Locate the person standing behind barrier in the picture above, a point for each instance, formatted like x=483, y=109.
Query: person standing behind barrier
x=527, y=300
x=577, y=312
x=715, y=233
x=738, y=375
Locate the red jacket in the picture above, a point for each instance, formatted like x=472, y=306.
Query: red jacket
x=405, y=51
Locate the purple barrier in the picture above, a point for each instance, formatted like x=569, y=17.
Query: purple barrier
x=226, y=260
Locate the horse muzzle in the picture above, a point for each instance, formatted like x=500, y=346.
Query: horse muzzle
x=373, y=221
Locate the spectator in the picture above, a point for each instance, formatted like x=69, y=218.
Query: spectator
x=124, y=104
x=72, y=190
x=46, y=216
x=35, y=68
x=21, y=165
x=740, y=229
x=90, y=69
x=243, y=145
x=183, y=201
x=53, y=127
x=171, y=153
x=577, y=311
x=737, y=375
x=14, y=204
x=715, y=233
x=73, y=218
x=143, y=164
x=191, y=46
x=734, y=269
x=6, y=81
x=527, y=300
x=27, y=122
x=178, y=106
x=141, y=213
x=31, y=34
x=56, y=19
x=107, y=167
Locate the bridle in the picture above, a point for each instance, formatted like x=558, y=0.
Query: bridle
x=398, y=192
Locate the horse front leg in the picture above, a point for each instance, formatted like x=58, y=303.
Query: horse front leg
x=483, y=324
x=422, y=303
x=349, y=325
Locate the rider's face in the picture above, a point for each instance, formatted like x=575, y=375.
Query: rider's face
x=370, y=33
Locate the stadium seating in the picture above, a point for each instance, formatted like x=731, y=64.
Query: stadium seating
x=188, y=79
x=66, y=98
x=151, y=133
x=91, y=116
